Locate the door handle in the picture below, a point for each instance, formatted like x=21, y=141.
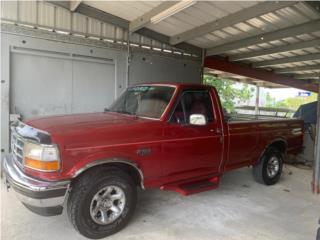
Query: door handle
x=217, y=130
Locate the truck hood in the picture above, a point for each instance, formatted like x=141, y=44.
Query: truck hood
x=80, y=122
x=92, y=128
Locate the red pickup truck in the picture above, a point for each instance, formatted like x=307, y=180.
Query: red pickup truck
x=167, y=136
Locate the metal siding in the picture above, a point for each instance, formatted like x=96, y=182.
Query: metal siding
x=27, y=12
x=152, y=68
x=108, y=31
x=63, y=19
x=45, y=14
x=79, y=23
x=94, y=27
x=9, y=10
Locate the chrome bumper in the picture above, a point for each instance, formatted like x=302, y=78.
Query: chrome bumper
x=42, y=197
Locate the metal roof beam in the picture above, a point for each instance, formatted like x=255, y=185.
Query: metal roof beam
x=64, y=4
x=102, y=16
x=298, y=69
x=95, y=13
x=307, y=76
x=229, y=20
x=266, y=37
x=74, y=5
x=301, y=58
x=145, y=19
x=313, y=5
x=260, y=74
x=280, y=49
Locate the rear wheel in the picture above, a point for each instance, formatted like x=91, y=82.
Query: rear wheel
x=269, y=168
x=102, y=202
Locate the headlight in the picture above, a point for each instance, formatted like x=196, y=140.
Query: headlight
x=42, y=158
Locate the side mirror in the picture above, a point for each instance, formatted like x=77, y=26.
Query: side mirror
x=197, y=119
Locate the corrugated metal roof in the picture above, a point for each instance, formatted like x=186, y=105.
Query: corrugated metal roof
x=128, y=10
x=198, y=14
x=206, y=11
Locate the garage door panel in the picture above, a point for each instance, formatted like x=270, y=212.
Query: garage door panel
x=40, y=85
x=93, y=86
x=48, y=85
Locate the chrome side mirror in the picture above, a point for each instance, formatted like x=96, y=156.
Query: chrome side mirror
x=197, y=119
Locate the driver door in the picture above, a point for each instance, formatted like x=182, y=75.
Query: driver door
x=192, y=150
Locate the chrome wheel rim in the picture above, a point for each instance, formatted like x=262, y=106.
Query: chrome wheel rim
x=107, y=205
x=273, y=167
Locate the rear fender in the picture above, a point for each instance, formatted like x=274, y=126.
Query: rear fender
x=270, y=144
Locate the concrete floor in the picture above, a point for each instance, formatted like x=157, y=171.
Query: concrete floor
x=239, y=209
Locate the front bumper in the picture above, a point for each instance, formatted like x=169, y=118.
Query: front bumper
x=42, y=197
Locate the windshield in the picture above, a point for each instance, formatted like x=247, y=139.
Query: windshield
x=143, y=101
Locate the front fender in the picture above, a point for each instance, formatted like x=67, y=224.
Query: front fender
x=101, y=158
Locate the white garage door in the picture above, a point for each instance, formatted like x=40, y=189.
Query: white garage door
x=51, y=84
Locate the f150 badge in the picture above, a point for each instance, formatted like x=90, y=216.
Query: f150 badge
x=144, y=152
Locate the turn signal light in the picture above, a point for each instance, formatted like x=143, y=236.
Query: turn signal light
x=42, y=165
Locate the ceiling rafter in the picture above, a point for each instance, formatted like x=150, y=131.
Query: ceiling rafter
x=292, y=31
x=285, y=60
x=159, y=13
x=74, y=5
x=307, y=76
x=273, y=50
x=232, y=19
x=298, y=69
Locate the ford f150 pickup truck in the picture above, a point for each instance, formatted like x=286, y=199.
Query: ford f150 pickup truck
x=167, y=136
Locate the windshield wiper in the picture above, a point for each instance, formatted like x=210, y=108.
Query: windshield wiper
x=124, y=112
x=120, y=111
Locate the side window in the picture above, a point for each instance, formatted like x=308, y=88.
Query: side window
x=193, y=102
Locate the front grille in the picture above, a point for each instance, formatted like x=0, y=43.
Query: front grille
x=17, y=144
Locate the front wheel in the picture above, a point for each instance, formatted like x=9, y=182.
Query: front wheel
x=268, y=170
x=102, y=202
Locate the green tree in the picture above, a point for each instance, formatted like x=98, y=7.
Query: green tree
x=270, y=101
x=295, y=102
x=290, y=103
x=229, y=94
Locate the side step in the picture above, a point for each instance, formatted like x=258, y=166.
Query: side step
x=189, y=188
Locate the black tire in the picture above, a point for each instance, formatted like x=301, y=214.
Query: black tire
x=81, y=196
x=318, y=234
x=260, y=170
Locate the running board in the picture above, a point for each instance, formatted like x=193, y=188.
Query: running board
x=189, y=188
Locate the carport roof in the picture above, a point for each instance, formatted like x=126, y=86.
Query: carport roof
x=282, y=37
